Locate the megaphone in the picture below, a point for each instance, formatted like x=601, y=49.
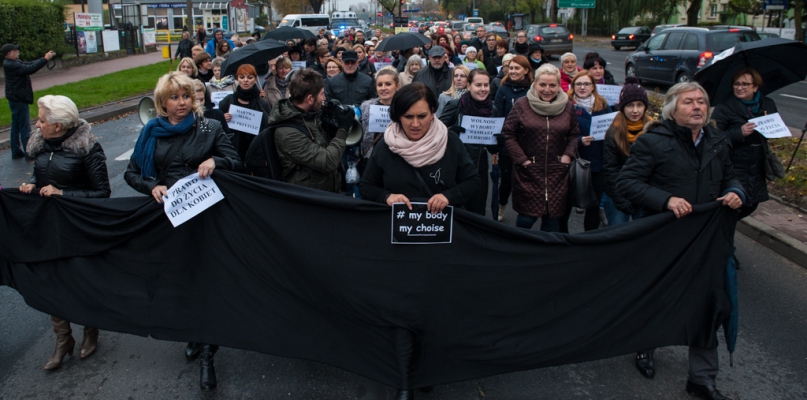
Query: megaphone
x=146, y=109
x=356, y=132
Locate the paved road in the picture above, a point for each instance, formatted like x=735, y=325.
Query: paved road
x=769, y=363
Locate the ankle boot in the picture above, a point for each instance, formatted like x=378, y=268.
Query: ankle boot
x=207, y=371
x=90, y=342
x=502, y=208
x=64, y=343
x=645, y=365
x=192, y=351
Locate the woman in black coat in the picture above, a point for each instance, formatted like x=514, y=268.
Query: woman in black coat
x=184, y=47
x=749, y=146
x=69, y=162
x=248, y=95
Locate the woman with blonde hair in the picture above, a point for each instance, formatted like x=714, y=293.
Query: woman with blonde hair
x=188, y=67
x=459, y=85
x=276, y=85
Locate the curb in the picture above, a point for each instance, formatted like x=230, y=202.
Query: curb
x=781, y=243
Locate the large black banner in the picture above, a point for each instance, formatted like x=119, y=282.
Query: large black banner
x=302, y=273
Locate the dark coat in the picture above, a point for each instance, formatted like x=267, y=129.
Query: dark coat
x=367, y=68
x=613, y=160
x=506, y=97
x=437, y=80
x=184, y=49
x=74, y=163
x=535, y=65
x=749, y=152
x=664, y=162
x=350, y=90
x=242, y=140
x=319, y=68
x=592, y=152
x=541, y=187
x=18, y=78
x=205, y=140
x=496, y=83
x=389, y=173
x=491, y=60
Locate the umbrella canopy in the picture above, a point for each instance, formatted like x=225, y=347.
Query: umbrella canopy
x=285, y=33
x=402, y=41
x=255, y=53
x=780, y=62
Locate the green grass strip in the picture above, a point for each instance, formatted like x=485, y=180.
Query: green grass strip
x=99, y=90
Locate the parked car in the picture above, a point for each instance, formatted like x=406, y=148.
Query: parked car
x=456, y=26
x=553, y=38
x=675, y=54
x=499, y=29
x=766, y=35
x=632, y=36
x=468, y=31
x=660, y=28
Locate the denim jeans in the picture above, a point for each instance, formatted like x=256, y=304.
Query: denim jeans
x=547, y=224
x=616, y=217
x=20, y=127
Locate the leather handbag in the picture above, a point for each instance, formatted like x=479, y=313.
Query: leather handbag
x=773, y=167
x=581, y=187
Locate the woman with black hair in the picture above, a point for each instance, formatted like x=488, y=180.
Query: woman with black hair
x=596, y=66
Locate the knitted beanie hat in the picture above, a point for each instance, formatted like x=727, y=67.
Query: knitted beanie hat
x=632, y=91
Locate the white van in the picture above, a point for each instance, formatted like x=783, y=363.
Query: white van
x=312, y=22
x=475, y=20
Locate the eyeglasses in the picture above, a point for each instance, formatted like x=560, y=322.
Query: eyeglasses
x=742, y=84
x=582, y=84
x=491, y=40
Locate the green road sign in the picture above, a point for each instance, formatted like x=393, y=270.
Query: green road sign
x=576, y=3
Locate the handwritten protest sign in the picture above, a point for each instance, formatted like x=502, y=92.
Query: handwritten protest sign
x=297, y=65
x=245, y=120
x=600, y=124
x=379, y=65
x=419, y=226
x=610, y=92
x=217, y=97
x=189, y=197
x=461, y=57
x=471, y=65
x=480, y=130
x=379, y=118
x=771, y=126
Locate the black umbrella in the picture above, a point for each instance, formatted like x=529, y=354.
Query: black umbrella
x=254, y=53
x=402, y=41
x=779, y=61
x=285, y=33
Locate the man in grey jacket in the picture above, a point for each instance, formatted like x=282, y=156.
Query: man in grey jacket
x=350, y=87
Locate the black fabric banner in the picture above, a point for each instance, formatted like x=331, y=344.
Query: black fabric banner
x=303, y=273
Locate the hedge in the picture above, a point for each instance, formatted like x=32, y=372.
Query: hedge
x=36, y=26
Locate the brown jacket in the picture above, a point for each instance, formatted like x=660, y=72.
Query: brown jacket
x=540, y=188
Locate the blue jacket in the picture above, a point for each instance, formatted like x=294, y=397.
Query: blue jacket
x=211, y=45
x=506, y=96
x=592, y=152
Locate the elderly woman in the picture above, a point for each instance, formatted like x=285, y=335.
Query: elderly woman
x=220, y=83
x=247, y=95
x=387, y=84
x=188, y=67
x=276, y=85
x=413, y=65
x=176, y=144
x=459, y=84
x=749, y=146
x=496, y=83
x=334, y=67
x=472, y=56
x=568, y=69
x=541, y=136
x=69, y=162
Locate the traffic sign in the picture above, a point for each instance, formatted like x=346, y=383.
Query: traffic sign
x=476, y=12
x=774, y=5
x=577, y=3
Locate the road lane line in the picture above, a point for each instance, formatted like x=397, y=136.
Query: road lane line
x=125, y=156
x=795, y=97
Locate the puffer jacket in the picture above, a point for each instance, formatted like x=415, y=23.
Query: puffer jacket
x=437, y=80
x=350, y=90
x=749, y=152
x=541, y=187
x=18, y=79
x=307, y=158
x=664, y=162
x=74, y=163
x=206, y=139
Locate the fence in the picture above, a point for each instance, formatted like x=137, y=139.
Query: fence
x=128, y=39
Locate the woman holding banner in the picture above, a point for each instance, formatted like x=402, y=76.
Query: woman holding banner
x=541, y=136
x=387, y=83
x=750, y=147
x=476, y=102
x=175, y=144
x=247, y=95
x=587, y=104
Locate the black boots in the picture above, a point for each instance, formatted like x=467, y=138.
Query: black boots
x=708, y=392
x=645, y=365
x=192, y=351
x=207, y=371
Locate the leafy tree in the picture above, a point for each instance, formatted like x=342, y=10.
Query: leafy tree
x=532, y=7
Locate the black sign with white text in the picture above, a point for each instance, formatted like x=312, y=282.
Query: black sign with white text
x=419, y=226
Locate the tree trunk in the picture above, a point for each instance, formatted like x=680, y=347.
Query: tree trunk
x=692, y=12
x=797, y=11
x=553, y=11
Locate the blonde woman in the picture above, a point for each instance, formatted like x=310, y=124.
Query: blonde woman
x=459, y=85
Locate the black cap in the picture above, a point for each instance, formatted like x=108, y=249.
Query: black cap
x=535, y=47
x=350, y=55
x=7, y=48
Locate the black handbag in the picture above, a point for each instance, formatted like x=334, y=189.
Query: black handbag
x=773, y=167
x=581, y=187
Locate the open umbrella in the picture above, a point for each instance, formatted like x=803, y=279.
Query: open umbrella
x=285, y=33
x=402, y=41
x=779, y=61
x=255, y=53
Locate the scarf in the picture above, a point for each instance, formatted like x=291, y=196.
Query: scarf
x=523, y=82
x=223, y=82
x=55, y=143
x=158, y=127
x=634, y=129
x=428, y=150
x=754, y=104
x=281, y=85
x=522, y=48
x=458, y=93
x=587, y=103
x=251, y=95
x=473, y=107
x=547, y=109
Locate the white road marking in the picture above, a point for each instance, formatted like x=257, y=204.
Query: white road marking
x=795, y=97
x=125, y=156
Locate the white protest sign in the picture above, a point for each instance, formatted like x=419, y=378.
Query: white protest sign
x=189, y=197
x=297, y=65
x=379, y=65
x=610, y=92
x=461, y=57
x=471, y=65
x=600, y=124
x=217, y=97
x=423, y=61
x=480, y=130
x=245, y=120
x=771, y=126
x=498, y=69
x=379, y=118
